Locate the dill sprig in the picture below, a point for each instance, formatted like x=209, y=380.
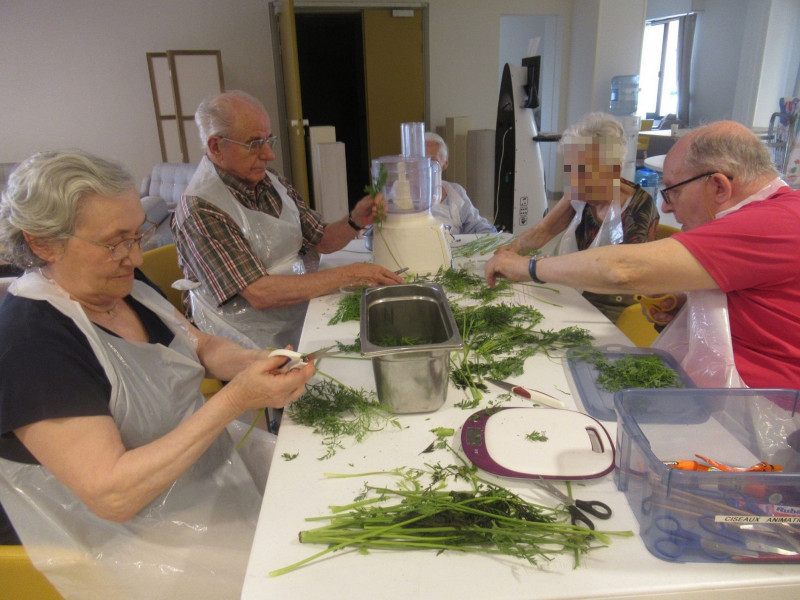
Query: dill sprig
x=354, y=348
x=336, y=411
x=348, y=309
x=470, y=285
x=498, y=338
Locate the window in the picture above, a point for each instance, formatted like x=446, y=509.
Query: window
x=658, y=74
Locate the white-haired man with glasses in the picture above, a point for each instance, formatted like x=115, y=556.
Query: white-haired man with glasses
x=737, y=259
x=242, y=231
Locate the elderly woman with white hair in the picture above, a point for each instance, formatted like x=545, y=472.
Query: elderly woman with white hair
x=117, y=474
x=598, y=206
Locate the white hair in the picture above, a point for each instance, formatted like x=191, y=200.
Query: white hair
x=216, y=114
x=435, y=138
x=45, y=195
x=599, y=125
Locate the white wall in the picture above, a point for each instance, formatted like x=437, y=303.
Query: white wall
x=73, y=73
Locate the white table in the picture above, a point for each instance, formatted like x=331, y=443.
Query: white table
x=297, y=489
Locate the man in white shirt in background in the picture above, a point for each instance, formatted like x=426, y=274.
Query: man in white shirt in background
x=454, y=209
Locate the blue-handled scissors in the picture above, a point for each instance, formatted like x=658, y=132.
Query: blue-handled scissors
x=719, y=544
x=577, y=508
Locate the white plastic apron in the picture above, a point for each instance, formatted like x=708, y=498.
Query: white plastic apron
x=276, y=241
x=610, y=232
x=699, y=337
x=192, y=541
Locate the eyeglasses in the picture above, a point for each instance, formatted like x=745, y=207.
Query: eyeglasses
x=663, y=190
x=254, y=146
x=124, y=248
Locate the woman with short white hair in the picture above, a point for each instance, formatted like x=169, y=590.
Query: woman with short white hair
x=598, y=207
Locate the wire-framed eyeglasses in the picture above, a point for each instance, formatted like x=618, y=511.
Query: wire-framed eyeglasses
x=124, y=248
x=254, y=146
x=665, y=190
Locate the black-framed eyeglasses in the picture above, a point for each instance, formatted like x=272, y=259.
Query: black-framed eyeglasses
x=124, y=248
x=664, y=190
x=255, y=146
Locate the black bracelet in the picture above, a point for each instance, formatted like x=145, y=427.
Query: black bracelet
x=352, y=223
x=532, y=268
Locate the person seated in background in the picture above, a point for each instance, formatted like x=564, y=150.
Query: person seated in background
x=598, y=206
x=454, y=208
x=118, y=476
x=241, y=232
x=736, y=258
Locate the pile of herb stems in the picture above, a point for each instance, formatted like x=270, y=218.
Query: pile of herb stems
x=442, y=520
x=482, y=245
x=488, y=519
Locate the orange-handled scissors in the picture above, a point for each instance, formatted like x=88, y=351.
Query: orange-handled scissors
x=653, y=303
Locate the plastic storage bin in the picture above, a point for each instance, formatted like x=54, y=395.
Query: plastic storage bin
x=712, y=516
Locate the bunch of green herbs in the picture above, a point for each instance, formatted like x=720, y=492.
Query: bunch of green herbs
x=645, y=371
x=347, y=309
x=498, y=338
x=336, y=411
x=421, y=513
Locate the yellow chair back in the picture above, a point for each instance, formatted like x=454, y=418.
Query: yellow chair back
x=636, y=327
x=643, y=141
x=19, y=579
x=665, y=231
x=632, y=321
x=161, y=266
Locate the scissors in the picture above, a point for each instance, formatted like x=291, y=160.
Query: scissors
x=652, y=303
x=577, y=508
x=295, y=360
x=721, y=544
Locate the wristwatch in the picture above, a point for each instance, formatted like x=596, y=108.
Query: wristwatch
x=352, y=223
x=532, y=268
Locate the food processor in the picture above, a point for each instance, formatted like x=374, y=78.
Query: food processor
x=409, y=236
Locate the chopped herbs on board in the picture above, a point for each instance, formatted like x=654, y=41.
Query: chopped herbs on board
x=536, y=436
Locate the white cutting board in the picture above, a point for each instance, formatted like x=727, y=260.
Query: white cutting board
x=577, y=445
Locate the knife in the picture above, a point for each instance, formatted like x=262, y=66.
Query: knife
x=534, y=395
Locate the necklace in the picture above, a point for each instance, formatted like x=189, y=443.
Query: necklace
x=111, y=312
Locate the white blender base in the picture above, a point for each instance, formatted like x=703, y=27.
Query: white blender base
x=416, y=241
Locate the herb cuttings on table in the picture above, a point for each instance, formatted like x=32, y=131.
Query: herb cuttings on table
x=421, y=513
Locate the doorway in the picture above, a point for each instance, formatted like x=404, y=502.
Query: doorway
x=362, y=71
x=330, y=53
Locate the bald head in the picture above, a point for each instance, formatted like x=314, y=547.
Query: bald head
x=712, y=169
x=725, y=147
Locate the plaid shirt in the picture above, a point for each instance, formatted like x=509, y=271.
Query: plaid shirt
x=213, y=250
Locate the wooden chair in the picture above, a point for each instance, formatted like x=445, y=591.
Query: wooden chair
x=19, y=579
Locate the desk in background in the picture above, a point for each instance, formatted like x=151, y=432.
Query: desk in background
x=298, y=489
